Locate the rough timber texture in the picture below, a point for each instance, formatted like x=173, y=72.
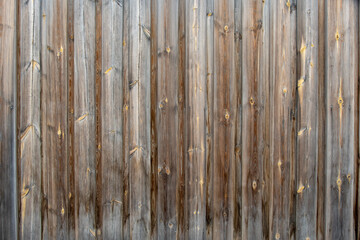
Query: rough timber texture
x=179, y=119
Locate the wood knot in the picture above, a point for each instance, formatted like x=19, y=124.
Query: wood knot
x=340, y=101
x=254, y=185
x=227, y=115
x=277, y=236
x=251, y=101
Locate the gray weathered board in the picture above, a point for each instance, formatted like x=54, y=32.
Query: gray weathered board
x=179, y=119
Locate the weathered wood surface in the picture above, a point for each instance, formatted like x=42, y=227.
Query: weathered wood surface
x=166, y=119
x=9, y=197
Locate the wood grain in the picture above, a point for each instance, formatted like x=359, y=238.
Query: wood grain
x=111, y=121
x=282, y=102
x=8, y=74
x=306, y=127
x=139, y=118
x=341, y=74
x=255, y=118
x=224, y=119
x=54, y=136
x=195, y=107
x=166, y=119
x=30, y=133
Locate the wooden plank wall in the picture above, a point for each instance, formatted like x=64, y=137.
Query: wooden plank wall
x=169, y=119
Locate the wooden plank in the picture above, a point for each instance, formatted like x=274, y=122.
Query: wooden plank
x=180, y=198
x=282, y=109
x=125, y=125
x=320, y=225
x=84, y=119
x=255, y=121
x=238, y=121
x=71, y=119
x=8, y=52
x=195, y=105
x=209, y=119
x=167, y=117
x=29, y=119
x=98, y=116
x=341, y=74
x=224, y=119
x=111, y=120
x=307, y=103
x=54, y=119
x=139, y=118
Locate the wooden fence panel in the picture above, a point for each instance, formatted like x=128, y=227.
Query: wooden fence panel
x=166, y=119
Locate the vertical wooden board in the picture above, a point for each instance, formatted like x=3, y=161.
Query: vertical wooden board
x=139, y=119
x=320, y=224
x=282, y=107
x=180, y=198
x=125, y=124
x=54, y=119
x=238, y=80
x=341, y=71
x=167, y=116
x=209, y=118
x=111, y=120
x=154, y=110
x=224, y=119
x=98, y=115
x=8, y=192
x=195, y=131
x=84, y=144
x=306, y=127
x=29, y=119
x=255, y=118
